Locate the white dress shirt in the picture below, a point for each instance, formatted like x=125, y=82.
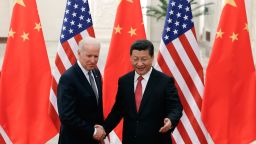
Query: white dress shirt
x=144, y=81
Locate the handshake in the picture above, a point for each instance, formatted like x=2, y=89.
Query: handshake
x=100, y=133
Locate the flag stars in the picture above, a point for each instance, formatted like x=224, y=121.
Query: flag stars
x=81, y=17
x=24, y=36
x=11, y=33
x=38, y=26
x=85, y=1
x=62, y=36
x=166, y=37
x=72, y=22
x=173, y=3
x=65, y=19
x=68, y=3
x=74, y=14
x=132, y=32
x=130, y=1
x=88, y=20
x=20, y=2
x=67, y=11
x=246, y=27
x=75, y=6
x=178, y=15
x=82, y=9
x=168, y=29
x=180, y=6
x=219, y=34
x=185, y=17
x=171, y=12
x=70, y=31
x=118, y=29
x=231, y=2
x=63, y=28
x=80, y=25
x=184, y=26
x=187, y=9
x=175, y=32
x=169, y=20
x=234, y=37
x=177, y=23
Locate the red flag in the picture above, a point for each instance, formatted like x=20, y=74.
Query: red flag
x=229, y=103
x=26, y=79
x=128, y=27
x=2, y=140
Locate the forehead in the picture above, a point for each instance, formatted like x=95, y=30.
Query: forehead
x=140, y=53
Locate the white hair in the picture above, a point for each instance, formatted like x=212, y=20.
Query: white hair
x=88, y=41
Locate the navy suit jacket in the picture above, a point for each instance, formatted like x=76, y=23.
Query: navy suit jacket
x=160, y=100
x=77, y=106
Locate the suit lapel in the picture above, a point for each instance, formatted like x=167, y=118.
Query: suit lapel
x=83, y=79
x=130, y=88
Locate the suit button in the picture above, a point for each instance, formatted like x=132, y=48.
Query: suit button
x=137, y=122
x=134, y=136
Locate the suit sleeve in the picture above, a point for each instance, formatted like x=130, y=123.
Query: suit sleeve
x=173, y=104
x=116, y=113
x=66, y=107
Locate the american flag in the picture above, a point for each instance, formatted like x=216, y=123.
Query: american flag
x=179, y=56
x=77, y=24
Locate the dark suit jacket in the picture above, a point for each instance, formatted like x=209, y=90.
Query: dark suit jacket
x=77, y=106
x=160, y=100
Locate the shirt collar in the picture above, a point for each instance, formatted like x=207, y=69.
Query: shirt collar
x=145, y=76
x=82, y=68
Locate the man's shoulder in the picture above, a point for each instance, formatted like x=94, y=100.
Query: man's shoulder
x=160, y=74
x=70, y=72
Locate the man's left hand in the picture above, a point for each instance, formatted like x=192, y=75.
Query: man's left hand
x=167, y=126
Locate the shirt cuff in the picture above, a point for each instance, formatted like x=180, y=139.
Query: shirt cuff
x=95, y=131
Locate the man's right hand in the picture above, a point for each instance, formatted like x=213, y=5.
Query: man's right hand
x=100, y=133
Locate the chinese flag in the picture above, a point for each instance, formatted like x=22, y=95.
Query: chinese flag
x=229, y=104
x=2, y=140
x=25, y=79
x=128, y=28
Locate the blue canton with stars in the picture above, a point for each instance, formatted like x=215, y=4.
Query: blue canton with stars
x=178, y=20
x=77, y=18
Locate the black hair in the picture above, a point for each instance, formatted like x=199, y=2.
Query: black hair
x=143, y=45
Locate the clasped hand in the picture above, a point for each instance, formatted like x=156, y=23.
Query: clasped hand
x=100, y=133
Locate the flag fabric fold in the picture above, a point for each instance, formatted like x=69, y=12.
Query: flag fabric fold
x=77, y=24
x=179, y=57
x=25, y=79
x=128, y=27
x=229, y=104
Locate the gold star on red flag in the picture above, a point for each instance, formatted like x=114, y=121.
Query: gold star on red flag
x=11, y=33
x=246, y=27
x=38, y=26
x=20, y=2
x=234, y=37
x=118, y=29
x=24, y=36
x=231, y=2
x=132, y=32
x=130, y=1
x=219, y=34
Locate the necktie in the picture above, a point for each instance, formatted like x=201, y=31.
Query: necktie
x=93, y=85
x=138, y=93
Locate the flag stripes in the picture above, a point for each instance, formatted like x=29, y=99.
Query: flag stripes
x=180, y=59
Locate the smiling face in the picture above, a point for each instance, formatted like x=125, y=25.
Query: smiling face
x=141, y=61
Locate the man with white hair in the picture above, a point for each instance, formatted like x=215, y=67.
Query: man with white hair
x=79, y=98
